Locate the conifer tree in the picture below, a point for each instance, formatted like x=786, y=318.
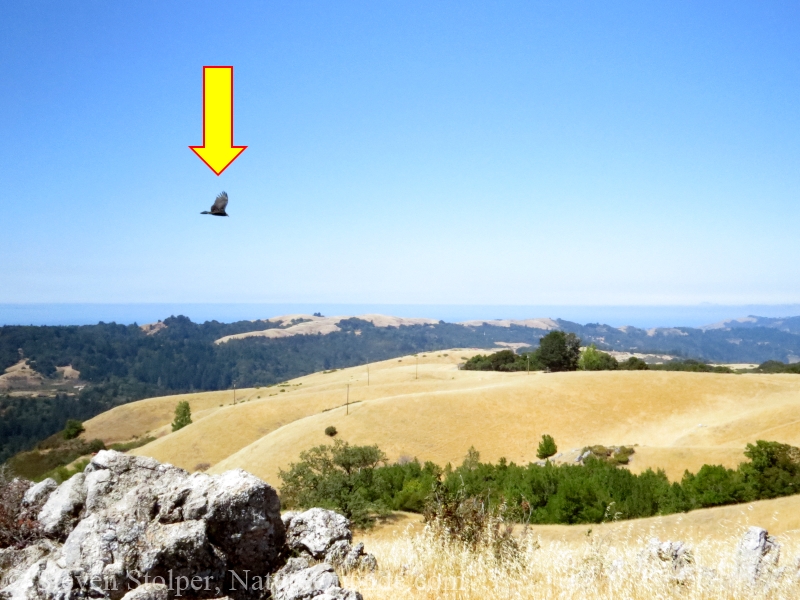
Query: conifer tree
x=183, y=416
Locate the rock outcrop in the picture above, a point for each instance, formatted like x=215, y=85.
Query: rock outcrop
x=130, y=528
x=321, y=534
x=299, y=581
x=676, y=556
x=37, y=494
x=758, y=552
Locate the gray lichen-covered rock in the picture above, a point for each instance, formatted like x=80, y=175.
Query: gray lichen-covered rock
x=63, y=507
x=757, y=552
x=148, y=591
x=130, y=528
x=15, y=561
x=43, y=579
x=676, y=556
x=316, y=530
x=38, y=493
x=358, y=560
x=310, y=582
x=127, y=520
x=337, y=593
x=326, y=535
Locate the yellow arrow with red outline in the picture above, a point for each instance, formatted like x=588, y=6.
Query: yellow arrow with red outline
x=218, y=151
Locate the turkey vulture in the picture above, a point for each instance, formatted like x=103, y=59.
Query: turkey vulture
x=218, y=208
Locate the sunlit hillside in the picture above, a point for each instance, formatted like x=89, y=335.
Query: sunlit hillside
x=436, y=412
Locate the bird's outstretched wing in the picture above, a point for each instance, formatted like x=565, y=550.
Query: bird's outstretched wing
x=220, y=203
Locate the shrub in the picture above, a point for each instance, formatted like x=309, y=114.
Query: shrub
x=634, y=364
x=202, y=467
x=775, y=366
x=37, y=465
x=593, y=359
x=773, y=470
x=330, y=431
x=61, y=474
x=547, y=447
x=183, y=416
x=454, y=517
x=18, y=528
x=692, y=366
x=73, y=429
x=338, y=477
x=137, y=443
x=504, y=360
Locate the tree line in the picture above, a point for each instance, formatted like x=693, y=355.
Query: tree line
x=357, y=481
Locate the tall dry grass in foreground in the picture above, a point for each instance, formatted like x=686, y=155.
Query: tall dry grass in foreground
x=423, y=565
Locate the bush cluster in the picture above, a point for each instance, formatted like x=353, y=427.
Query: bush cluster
x=18, y=528
x=355, y=481
x=557, y=351
x=776, y=366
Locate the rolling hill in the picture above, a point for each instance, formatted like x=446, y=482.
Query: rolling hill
x=118, y=364
x=676, y=420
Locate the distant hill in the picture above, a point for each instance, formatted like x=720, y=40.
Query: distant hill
x=787, y=324
x=121, y=363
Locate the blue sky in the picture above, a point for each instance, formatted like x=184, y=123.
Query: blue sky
x=531, y=153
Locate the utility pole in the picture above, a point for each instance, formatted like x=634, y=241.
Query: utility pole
x=348, y=398
x=234, y=393
x=416, y=369
x=367, y=374
x=529, y=364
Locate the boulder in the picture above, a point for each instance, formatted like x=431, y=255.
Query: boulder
x=148, y=591
x=315, y=531
x=43, y=579
x=63, y=507
x=326, y=535
x=337, y=593
x=310, y=582
x=130, y=519
x=358, y=560
x=676, y=556
x=15, y=561
x=130, y=528
x=38, y=493
x=757, y=552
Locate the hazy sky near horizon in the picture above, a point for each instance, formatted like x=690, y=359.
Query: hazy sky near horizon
x=404, y=152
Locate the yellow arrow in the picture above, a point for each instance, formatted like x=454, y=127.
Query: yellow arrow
x=218, y=151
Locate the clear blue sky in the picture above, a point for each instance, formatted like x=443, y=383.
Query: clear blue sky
x=404, y=152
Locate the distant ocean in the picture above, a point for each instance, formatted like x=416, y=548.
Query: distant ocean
x=638, y=316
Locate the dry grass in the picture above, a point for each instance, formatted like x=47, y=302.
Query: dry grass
x=445, y=411
x=441, y=415
x=414, y=565
x=587, y=561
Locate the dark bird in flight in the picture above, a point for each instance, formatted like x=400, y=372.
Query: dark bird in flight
x=218, y=208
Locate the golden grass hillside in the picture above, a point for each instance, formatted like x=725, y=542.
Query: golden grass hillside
x=605, y=561
x=434, y=411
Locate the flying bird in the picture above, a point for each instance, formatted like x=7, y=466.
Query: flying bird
x=218, y=208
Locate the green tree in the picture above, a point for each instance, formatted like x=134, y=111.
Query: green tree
x=559, y=351
x=547, y=447
x=633, y=364
x=593, y=359
x=714, y=485
x=73, y=429
x=338, y=477
x=183, y=415
x=773, y=470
